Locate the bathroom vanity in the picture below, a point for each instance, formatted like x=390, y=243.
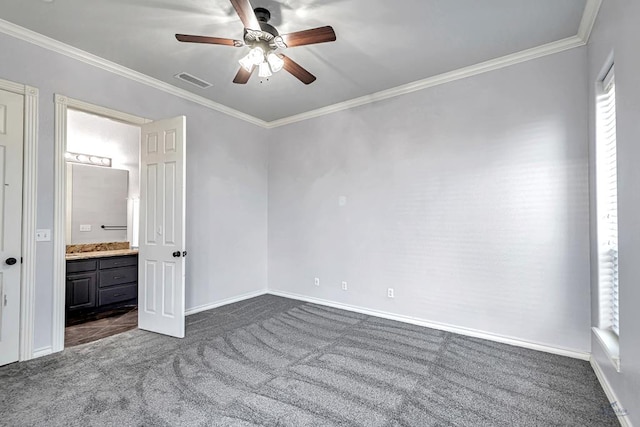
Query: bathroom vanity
x=100, y=281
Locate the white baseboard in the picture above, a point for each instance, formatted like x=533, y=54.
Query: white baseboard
x=42, y=351
x=227, y=301
x=441, y=326
x=611, y=395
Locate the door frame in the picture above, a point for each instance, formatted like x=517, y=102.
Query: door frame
x=62, y=103
x=29, y=215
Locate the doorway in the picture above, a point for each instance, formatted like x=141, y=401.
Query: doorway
x=162, y=246
x=83, y=288
x=102, y=202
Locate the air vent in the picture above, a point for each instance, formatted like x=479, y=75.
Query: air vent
x=193, y=80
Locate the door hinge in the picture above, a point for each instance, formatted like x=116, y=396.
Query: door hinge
x=5, y=300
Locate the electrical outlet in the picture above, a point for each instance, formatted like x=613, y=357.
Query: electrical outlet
x=390, y=293
x=43, y=235
x=344, y=286
x=85, y=227
x=316, y=281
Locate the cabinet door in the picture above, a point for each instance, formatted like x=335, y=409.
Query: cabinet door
x=81, y=291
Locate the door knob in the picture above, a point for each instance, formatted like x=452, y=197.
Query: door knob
x=176, y=254
x=10, y=261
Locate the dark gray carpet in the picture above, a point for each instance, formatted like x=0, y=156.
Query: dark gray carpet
x=278, y=362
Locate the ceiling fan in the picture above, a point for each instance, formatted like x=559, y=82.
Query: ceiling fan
x=264, y=41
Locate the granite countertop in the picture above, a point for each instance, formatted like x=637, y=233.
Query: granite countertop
x=101, y=254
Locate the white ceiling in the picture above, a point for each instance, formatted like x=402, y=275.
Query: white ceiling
x=380, y=44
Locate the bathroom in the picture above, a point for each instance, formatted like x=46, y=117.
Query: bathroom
x=102, y=211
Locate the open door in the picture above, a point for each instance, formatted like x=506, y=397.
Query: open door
x=162, y=227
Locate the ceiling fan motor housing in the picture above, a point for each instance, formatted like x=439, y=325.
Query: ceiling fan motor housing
x=262, y=14
x=266, y=32
x=263, y=37
x=268, y=28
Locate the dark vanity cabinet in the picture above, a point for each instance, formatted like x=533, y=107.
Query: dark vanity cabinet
x=81, y=291
x=100, y=284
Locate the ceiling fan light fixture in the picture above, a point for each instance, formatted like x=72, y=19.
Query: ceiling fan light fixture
x=256, y=55
x=264, y=70
x=275, y=62
x=246, y=63
x=253, y=58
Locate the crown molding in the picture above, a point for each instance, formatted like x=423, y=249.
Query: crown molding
x=104, y=64
x=589, y=16
x=461, y=73
x=587, y=22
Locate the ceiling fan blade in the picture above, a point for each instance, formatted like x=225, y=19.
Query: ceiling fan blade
x=245, y=12
x=209, y=40
x=298, y=72
x=313, y=36
x=243, y=76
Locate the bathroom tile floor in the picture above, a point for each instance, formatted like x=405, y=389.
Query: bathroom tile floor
x=94, y=330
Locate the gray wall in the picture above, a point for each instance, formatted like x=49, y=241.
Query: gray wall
x=470, y=199
x=226, y=176
x=617, y=30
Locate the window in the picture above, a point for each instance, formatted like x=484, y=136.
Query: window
x=607, y=204
x=607, y=214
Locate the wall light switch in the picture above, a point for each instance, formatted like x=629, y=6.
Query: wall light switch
x=43, y=235
x=316, y=281
x=85, y=227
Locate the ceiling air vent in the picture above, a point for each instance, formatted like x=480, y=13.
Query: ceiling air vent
x=193, y=80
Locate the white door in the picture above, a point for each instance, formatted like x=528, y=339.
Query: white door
x=11, y=127
x=162, y=227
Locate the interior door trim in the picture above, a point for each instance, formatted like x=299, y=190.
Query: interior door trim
x=62, y=103
x=29, y=214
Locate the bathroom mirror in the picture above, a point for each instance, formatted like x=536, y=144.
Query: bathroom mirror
x=96, y=204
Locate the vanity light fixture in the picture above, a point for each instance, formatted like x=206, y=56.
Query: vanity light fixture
x=87, y=159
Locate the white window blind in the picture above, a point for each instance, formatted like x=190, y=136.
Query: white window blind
x=607, y=204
